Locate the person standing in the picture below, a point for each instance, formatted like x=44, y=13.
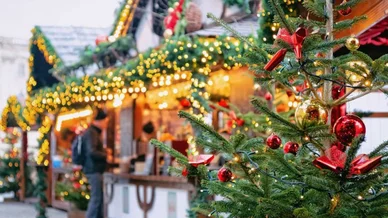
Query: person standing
x=95, y=163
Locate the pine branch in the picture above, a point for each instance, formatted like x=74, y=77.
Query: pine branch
x=273, y=116
x=206, y=128
x=179, y=156
x=380, y=148
x=279, y=15
x=356, y=144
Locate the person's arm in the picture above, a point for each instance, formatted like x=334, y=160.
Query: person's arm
x=92, y=141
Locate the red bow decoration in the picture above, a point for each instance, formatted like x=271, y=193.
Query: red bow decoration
x=234, y=118
x=335, y=159
x=295, y=41
x=201, y=159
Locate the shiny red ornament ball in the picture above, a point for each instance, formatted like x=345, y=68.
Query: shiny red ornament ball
x=185, y=172
x=274, y=141
x=346, y=11
x=185, y=103
x=291, y=147
x=223, y=103
x=76, y=185
x=268, y=96
x=224, y=175
x=240, y=122
x=101, y=39
x=348, y=127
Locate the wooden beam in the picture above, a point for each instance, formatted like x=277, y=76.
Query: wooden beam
x=374, y=10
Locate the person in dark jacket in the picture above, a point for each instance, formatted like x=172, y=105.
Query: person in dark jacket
x=95, y=163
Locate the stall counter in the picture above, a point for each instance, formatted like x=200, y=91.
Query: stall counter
x=128, y=196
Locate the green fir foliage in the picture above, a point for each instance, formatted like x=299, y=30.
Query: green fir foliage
x=273, y=183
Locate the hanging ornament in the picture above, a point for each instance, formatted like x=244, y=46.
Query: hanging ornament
x=168, y=33
x=185, y=172
x=268, y=96
x=291, y=147
x=101, y=39
x=339, y=145
x=240, y=122
x=223, y=103
x=224, y=174
x=275, y=60
x=170, y=22
x=185, y=103
x=346, y=11
x=202, y=159
x=274, y=141
x=352, y=43
x=335, y=159
x=310, y=113
x=297, y=40
x=76, y=185
x=348, y=127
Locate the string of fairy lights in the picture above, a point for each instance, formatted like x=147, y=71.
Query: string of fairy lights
x=43, y=44
x=151, y=69
x=124, y=18
x=13, y=107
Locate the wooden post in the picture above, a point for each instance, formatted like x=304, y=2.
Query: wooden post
x=23, y=165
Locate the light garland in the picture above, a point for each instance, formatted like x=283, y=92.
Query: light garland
x=44, y=46
x=125, y=18
x=199, y=56
x=72, y=115
x=44, y=144
x=14, y=107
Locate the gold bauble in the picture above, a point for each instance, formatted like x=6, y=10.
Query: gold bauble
x=168, y=33
x=352, y=43
x=310, y=113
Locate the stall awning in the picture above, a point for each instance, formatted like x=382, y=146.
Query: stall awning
x=377, y=35
x=245, y=27
x=53, y=47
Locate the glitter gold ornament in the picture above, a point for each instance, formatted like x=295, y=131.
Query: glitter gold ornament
x=310, y=113
x=352, y=43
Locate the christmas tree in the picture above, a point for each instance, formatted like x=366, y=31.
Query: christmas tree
x=309, y=165
x=10, y=163
x=75, y=189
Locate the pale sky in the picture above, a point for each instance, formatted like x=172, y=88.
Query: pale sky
x=18, y=17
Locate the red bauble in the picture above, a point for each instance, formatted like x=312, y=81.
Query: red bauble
x=101, y=39
x=291, y=147
x=76, y=185
x=185, y=172
x=223, y=103
x=224, y=175
x=185, y=103
x=274, y=141
x=268, y=96
x=240, y=122
x=346, y=11
x=348, y=127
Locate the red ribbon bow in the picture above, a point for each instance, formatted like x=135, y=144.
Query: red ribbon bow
x=295, y=41
x=335, y=159
x=201, y=159
x=234, y=118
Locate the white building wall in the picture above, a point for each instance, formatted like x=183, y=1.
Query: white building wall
x=13, y=68
x=376, y=127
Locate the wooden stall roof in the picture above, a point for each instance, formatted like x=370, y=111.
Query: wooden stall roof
x=374, y=10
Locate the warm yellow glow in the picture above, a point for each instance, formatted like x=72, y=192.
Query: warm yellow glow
x=69, y=116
